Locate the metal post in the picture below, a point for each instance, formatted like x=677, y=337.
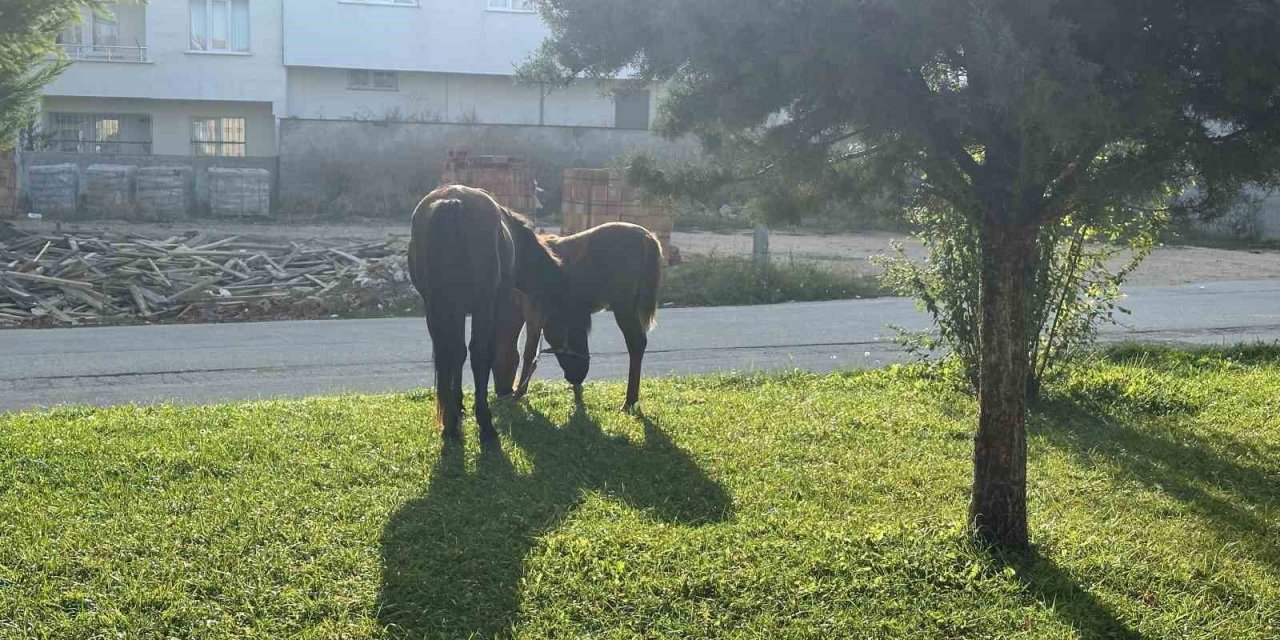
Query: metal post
x=760, y=246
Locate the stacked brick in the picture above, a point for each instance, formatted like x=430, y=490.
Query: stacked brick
x=507, y=178
x=595, y=196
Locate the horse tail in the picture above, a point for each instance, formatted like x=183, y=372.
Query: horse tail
x=647, y=297
x=438, y=224
x=446, y=219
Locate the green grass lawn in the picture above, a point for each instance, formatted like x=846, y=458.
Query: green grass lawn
x=792, y=506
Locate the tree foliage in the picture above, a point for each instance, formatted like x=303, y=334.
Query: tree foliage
x=28, y=56
x=1013, y=114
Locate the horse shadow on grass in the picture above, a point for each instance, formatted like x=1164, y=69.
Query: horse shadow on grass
x=452, y=559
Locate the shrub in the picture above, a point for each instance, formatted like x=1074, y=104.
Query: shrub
x=719, y=281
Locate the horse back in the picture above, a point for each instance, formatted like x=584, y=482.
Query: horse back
x=616, y=263
x=460, y=252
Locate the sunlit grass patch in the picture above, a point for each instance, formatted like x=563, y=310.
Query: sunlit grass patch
x=763, y=506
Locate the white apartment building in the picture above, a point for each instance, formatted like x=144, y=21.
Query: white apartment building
x=214, y=77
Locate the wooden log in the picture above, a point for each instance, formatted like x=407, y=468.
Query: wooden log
x=198, y=287
x=50, y=280
x=139, y=299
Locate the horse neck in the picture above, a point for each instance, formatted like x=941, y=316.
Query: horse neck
x=537, y=272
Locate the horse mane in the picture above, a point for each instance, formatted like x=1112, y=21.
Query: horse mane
x=539, y=269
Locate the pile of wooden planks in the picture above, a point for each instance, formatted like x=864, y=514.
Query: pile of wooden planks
x=107, y=278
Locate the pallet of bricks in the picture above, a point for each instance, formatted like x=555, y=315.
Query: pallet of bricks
x=508, y=178
x=8, y=185
x=593, y=197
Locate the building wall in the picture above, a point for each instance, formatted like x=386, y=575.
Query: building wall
x=384, y=168
x=174, y=73
x=171, y=120
x=437, y=97
x=452, y=36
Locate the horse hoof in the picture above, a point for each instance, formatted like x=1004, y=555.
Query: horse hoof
x=489, y=436
x=454, y=434
x=632, y=409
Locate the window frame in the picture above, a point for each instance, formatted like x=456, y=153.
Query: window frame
x=207, y=34
x=372, y=83
x=221, y=143
x=98, y=21
x=86, y=133
x=510, y=6
x=406, y=4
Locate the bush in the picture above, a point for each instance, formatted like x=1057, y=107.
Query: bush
x=1075, y=288
x=720, y=281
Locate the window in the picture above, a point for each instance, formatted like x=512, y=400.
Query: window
x=72, y=35
x=218, y=137
x=106, y=27
x=220, y=26
x=514, y=5
x=631, y=109
x=365, y=80
x=101, y=133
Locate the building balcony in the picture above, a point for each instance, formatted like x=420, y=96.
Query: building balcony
x=114, y=33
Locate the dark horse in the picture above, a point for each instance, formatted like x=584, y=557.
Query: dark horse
x=466, y=255
x=616, y=266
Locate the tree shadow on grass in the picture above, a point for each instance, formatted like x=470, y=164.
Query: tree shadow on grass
x=452, y=559
x=1055, y=589
x=1186, y=469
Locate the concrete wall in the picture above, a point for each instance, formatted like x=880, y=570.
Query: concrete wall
x=1260, y=221
x=174, y=72
x=1269, y=217
x=452, y=36
x=171, y=120
x=200, y=166
x=384, y=169
x=430, y=97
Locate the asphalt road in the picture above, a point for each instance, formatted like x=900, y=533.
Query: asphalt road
x=209, y=363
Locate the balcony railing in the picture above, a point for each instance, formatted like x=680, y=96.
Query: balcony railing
x=104, y=53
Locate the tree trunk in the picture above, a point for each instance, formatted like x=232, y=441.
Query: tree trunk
x=998, y=510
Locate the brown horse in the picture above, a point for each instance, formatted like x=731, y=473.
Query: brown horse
x=617, y=266
x=466, y=255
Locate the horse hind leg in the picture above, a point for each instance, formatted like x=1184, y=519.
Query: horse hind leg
x=448, y=342
x=483, y=339
x=633, y=332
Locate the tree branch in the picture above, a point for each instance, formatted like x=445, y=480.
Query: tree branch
x=1064, y=186
x=854, y=156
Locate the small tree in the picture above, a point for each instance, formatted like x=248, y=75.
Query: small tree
x=1015, y=114
x=1077, y=286
x=28, y=56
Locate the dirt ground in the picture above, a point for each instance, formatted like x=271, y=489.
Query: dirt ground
x=1167, y=265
